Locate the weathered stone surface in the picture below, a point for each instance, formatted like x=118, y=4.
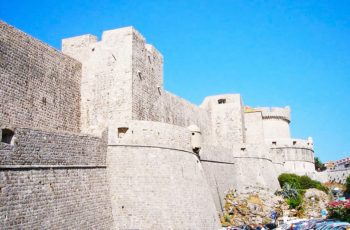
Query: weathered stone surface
x=39, y=86
x=54, y=199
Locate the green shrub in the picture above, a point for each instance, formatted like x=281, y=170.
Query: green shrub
x=300, y=182
x=292, y=179
x=295, y=202
x=306, y=182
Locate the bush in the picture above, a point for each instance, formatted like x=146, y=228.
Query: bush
x=339, y=210
x=306, y=182
x=295, y=202
x=288, y=178
x=300, y=182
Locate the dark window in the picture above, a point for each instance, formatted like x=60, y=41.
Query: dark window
x=274, y=143
x=7, y=136
x=222, y=101
x=122, y=131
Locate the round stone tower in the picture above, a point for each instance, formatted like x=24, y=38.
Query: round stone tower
x=276, y=122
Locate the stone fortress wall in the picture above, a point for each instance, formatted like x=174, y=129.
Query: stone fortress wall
x=154, y=160
x=40, y=86
x=50, y=177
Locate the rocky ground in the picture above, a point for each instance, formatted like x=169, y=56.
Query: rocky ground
x=256, y=208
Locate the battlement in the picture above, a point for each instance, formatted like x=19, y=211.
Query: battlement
x=275, y=113
x=290, y=143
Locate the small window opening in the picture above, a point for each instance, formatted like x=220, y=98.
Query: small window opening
x=139, y=74
x=44, y=100
x=222, y=101
x=122, y=131
x=149, y=59
x=7, y=136
x=294, y=142
x=93, y=49
x=192, y=134
x=243, y=149
x=274, y=143
x=196, y=151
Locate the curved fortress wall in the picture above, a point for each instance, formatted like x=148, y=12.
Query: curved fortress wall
x=245, y=168
x=156, y=180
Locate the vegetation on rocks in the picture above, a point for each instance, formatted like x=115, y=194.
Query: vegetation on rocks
x=300, y=182
x=304, y=196
x=251, y=208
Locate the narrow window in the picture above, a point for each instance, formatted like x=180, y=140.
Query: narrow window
x=274, y=143
x=122, y=131
x=294, y=142
x=7, y=136
x=222, y=101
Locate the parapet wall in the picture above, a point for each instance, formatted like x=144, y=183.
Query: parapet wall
x=40, y=87
x=41, y=148
x=53, y=181
x=297, y=159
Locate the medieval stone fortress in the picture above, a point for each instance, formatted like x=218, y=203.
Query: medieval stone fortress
x=90, y=139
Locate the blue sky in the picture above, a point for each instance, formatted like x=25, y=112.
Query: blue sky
x=274, y=53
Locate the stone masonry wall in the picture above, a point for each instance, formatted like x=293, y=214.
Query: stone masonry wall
x=35, y=147
x=254, y=128
x=106, y=87
x=156, y=181
x=54, y=181
x=245, y=168
x=227, y=119
x=295, y=159
x=40, y=87
x=54, y=199
x=339, y=175
x=150, y=102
